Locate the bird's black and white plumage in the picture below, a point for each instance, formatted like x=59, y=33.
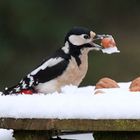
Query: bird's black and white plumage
x=68, y=65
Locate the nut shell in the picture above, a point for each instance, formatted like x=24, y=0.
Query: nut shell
x=106, y=83
x=108, y=42
x=135, y=85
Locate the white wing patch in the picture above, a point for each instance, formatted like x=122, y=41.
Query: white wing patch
x=51, y=62
x=66, y=48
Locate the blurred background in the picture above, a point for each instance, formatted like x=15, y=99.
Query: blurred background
x=30, y=30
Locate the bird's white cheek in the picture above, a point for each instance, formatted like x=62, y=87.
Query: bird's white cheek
x=76, y=40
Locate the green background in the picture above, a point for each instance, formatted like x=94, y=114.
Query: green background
x=30, y=30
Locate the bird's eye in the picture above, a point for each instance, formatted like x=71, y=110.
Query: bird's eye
x=86, y=36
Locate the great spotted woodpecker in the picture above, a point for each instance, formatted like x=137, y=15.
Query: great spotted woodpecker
x=68, y=65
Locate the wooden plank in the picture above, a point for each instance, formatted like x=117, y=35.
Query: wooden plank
x=32, y=135
x=70, y=124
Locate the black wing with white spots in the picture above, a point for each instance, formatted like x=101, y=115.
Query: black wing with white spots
x=48, y=70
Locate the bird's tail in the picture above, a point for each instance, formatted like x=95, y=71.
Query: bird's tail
x=11, y=90
x=18, y=90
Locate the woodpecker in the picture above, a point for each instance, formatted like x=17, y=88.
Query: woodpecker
x=68, y=65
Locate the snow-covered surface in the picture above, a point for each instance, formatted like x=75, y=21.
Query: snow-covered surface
x=6, y=134
x=73, y=102
x=86, y=136
x=110, y=50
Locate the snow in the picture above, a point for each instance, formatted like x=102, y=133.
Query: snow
x=6, y=134
x=111, y=50
x=74, y=103
x=84, y=136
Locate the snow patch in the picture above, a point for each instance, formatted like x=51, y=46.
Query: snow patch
x=111, y=50
x=74, y=103
x=6, y=134
x=86, y=136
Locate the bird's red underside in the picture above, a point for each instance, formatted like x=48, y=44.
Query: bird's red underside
x=26, y=91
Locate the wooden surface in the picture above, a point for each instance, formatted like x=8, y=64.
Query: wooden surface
x=70, y=124
x=32, y=135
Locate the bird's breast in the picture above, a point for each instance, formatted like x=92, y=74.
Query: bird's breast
x=74, y=74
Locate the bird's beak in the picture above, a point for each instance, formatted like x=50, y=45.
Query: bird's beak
x=96, y=41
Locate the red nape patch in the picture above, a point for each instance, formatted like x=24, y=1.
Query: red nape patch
x=26, y=91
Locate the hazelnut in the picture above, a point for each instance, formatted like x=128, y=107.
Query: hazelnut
x=108, y=42
x=135, y=85
x=106, y=83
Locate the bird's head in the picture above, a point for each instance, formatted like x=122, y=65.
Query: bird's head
x=80, y=37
